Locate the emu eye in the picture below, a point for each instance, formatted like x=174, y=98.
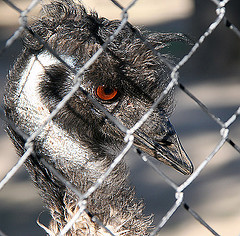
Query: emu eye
x=106, y=93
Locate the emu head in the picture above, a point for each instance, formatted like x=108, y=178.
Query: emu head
x=125, y=79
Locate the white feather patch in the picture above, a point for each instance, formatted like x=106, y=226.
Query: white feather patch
x=33, y=112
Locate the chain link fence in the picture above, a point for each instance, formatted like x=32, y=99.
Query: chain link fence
x=180, y=191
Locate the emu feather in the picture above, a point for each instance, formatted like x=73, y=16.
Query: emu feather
x=80, y=143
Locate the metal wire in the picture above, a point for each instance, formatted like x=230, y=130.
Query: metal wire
x=129, y=138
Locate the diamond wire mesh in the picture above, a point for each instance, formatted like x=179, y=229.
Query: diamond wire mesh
x=179, y=189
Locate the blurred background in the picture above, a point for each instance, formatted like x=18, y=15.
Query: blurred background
x=212, y=75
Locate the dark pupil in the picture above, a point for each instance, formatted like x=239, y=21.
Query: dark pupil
x=108, y=90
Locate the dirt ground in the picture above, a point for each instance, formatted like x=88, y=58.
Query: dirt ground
x=214, y=195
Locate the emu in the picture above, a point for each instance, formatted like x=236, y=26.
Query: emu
x=80, y=143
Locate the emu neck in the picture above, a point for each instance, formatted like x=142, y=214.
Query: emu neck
x=114, y=202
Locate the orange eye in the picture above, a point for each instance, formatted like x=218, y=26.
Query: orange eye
x=106, y=93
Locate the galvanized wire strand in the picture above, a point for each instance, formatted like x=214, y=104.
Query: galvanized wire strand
x=179, y=197
x=2, y=234
x=165, y=177
x=129, y=138
x=201, y=105
x=12, y=5
x=22, y=21
x=231, y=27
x=98, y=222
x=71, y=222
x=204, y=163
x=174, y=76
x=233, y=144
x=82, y=208
x=77, y=73
x=77, y=84
x=16, y=167
x=232, y=118
x=30, y=140
x=220, y=15
x=199, y=219
x=61, y=105
x=174, y=73
x=61, y=178
x=220, y=3
x=110, y=168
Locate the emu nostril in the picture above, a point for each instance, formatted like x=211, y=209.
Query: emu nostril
x=165, y=143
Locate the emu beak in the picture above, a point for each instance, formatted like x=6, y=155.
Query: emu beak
x=166, y=149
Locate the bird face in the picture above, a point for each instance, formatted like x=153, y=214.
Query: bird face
x=127, y=96
x=157, y=136
x=125, y=79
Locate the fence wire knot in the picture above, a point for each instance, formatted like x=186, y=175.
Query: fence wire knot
x=179, y=196
x=224, y=132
